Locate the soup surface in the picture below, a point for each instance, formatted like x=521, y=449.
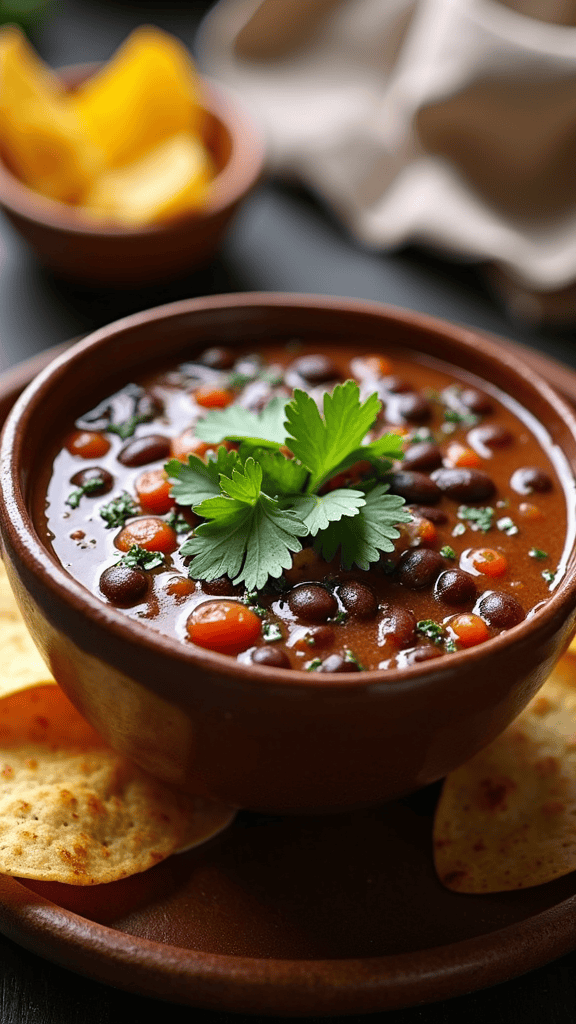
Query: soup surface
x=485, y=543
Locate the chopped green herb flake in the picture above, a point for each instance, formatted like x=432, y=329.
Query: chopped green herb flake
x=467, y=419
x=447, y=552
x=252, y=601
x=450, y=647
x=431, y=630
x=271, y=632
x=312, y=666
x=548, y=576
x=422, y=434
x=140, y=558
x=477, y=518
x=90, y=487
x=507, y=525
x=117, y=511
x=537, y=553
x=177, y=521
x=350, y=656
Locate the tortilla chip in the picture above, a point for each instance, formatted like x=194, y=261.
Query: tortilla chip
x=72, y=810
x=22, y=665
x=507, y=819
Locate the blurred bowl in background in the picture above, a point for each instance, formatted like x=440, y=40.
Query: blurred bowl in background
x=74, y=247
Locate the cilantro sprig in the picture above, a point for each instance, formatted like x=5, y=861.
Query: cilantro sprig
x=140, y=558
x=259, y=502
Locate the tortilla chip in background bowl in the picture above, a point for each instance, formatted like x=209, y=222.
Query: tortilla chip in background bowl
x=72, y=810
x=506, y=820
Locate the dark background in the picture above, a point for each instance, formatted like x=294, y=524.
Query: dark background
x=282, y=240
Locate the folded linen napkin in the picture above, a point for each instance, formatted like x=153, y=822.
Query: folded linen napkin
x=449, y=123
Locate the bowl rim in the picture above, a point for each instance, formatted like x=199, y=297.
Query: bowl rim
x=17, y=524
x=237, y=177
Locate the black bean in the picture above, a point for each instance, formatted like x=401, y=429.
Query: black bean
x=414, y=487
x=122, y=585
x=275, y=657
x=338, y=663
x=410, y=406
x=397, y=624
x=103, y=481
x=217, y=358
x=315, y=369
x=491, y=436
x=312, y=602
x=530, y=479
x=320, y=636
x=423, y=455
x=500, y=610
x=149, y=448
x=419, y=569
x=222, y=587
x=417, y=655
x=131, y=401
x=433, y=515
x=358, y=599
x=476, y=401
x=464, y=484
x=455, y=587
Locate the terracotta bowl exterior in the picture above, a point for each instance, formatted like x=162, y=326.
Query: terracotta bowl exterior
x=104, y=256
x=269, y=740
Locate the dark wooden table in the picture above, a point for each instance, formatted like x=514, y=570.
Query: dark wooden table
x=281, y=241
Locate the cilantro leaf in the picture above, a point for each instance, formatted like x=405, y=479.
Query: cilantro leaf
x=318, y=511
x=280, y=475
x=244, y=484
x=248, y=537
x=380, y=453
x=372, y=531
x=195, y=480
x=266, y=429
x=323, y=445
x=140, y=558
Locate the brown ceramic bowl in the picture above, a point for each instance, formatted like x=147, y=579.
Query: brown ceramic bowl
x=104, y=256
x=271, y=740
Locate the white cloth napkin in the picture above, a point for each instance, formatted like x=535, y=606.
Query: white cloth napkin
x=448, y=123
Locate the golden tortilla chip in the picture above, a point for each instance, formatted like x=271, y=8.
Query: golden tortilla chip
x=507, y=819
x=22, y=665
x=72, y=810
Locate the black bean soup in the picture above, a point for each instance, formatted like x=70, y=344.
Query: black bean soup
x=485, y=545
